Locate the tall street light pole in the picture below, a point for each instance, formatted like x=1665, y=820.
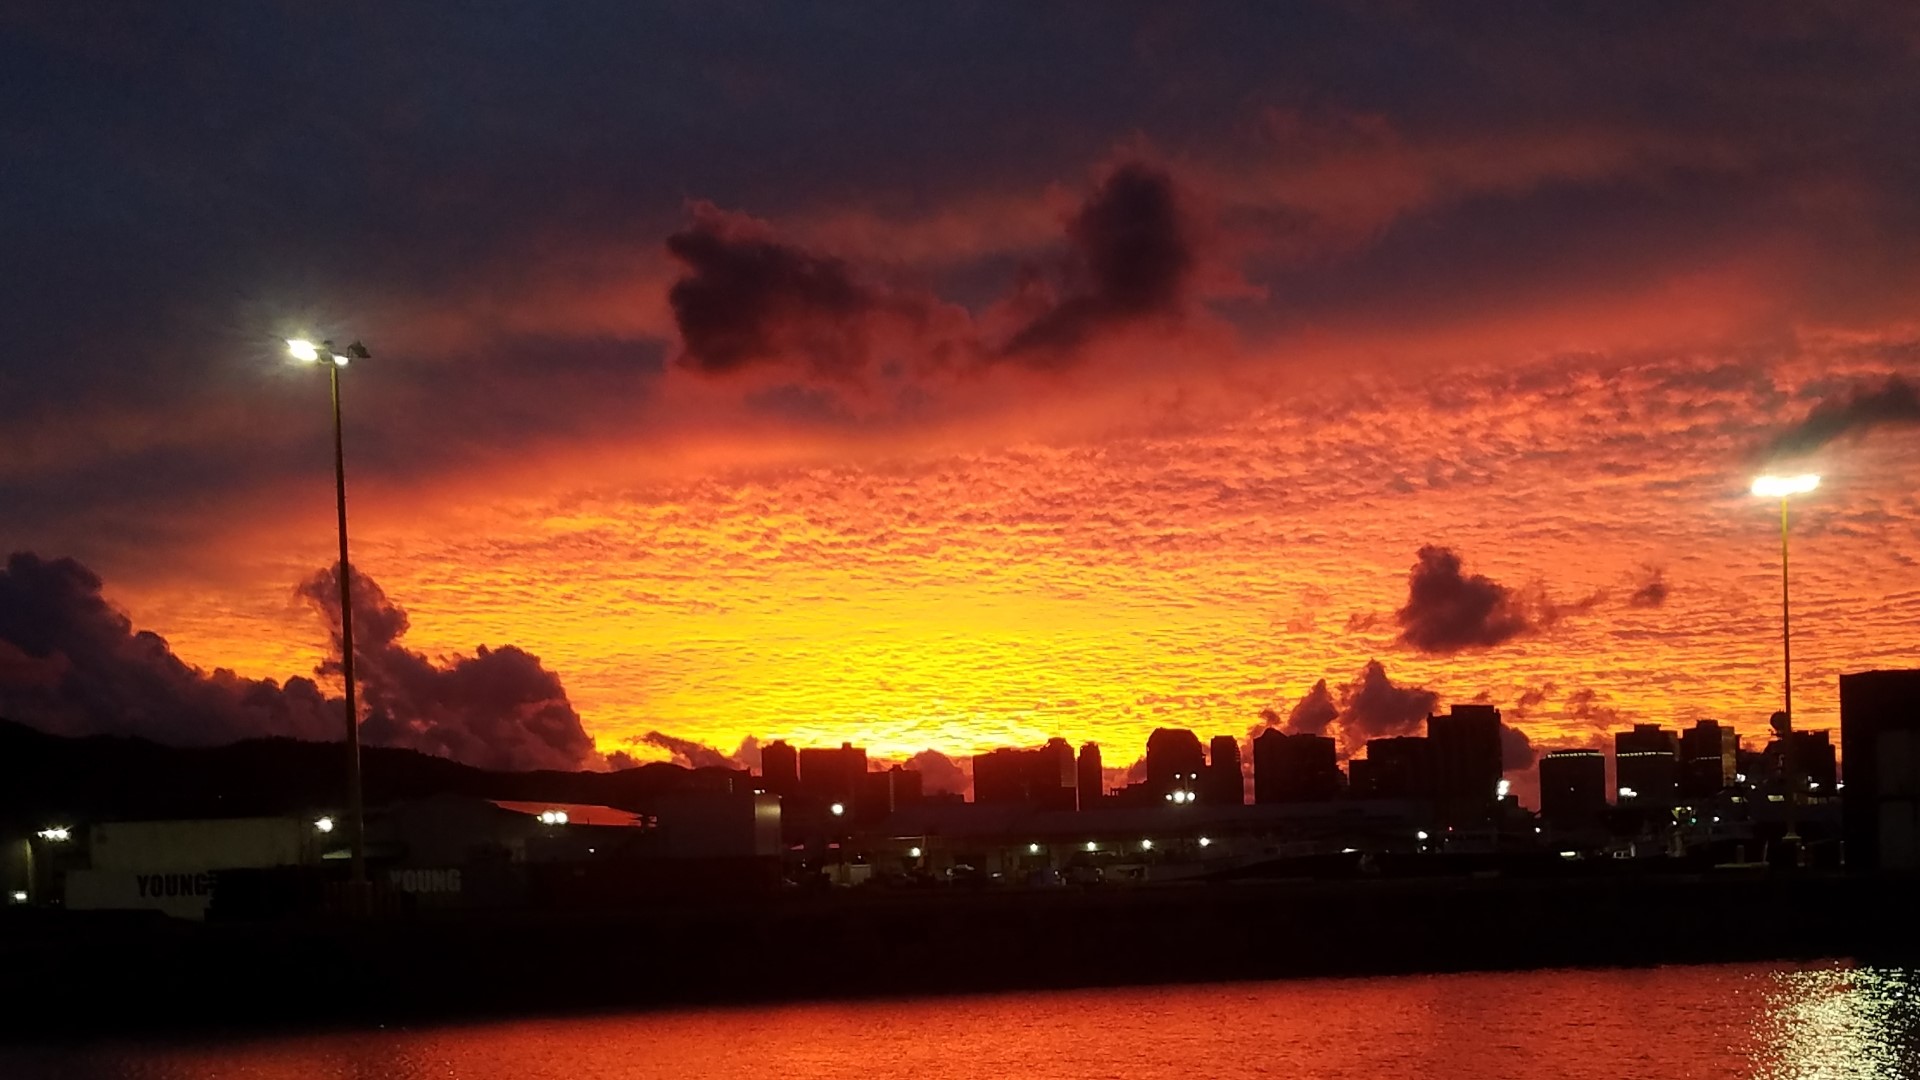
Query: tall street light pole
x=308, y=352
x=1784, y=488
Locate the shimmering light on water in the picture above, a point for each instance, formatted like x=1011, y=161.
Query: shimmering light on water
x=1821, y=1024
x=1828, y=1022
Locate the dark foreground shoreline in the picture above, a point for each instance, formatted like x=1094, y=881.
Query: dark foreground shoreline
x=71, y=975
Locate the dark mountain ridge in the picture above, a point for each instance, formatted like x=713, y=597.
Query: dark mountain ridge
x=51, y=779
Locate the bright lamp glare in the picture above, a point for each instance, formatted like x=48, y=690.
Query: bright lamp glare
x=1779, y=487
x=302, y=349
x=324, y=824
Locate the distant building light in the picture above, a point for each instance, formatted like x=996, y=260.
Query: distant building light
x=1146, y=845
x=1091, y=846
x=1629, y=793
x=19, y=896
x=913, y=853
x=1776, y=798
x=1739, y=778
x=1033, y=849
x=324, y=824
x=1205, y=842
x=1569, y=854
x=1501, y=789
x=1536, y=830
x=1813, y=785
x=1716, y=819
x=837, y=809
x=56, y=835
x=1421, y=835
x=553, y=817
x=1349, y=851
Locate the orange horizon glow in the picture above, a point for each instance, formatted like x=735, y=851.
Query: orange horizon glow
x=1096, y=591
x=1147, y=428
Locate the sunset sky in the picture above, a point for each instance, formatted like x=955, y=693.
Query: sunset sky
x=952, y=375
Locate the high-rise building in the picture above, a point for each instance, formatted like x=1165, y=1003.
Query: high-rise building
x=1573, y=787
x=1056, y=776
x=1042, y=778
x=1092, y=786
x=1223, y=783
x=780, y=768
x=1400, y=767
x=1805, y=756
x=1175, y=761
x=1880, y=740
x=1294, y=768
x=1646, y=766
x=1709, y=759
x=1465, y=745
x=832, y=775
x=886, y=790
x=1001, y=776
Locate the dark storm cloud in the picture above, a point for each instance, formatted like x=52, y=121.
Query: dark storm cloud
x=72, y=664
x=1650, y=588
x=1533, y=697
x=1448, y=610
x=747, y=298
x=1584, y=706
x=687, y=752
x=747, y=754
x=1132, y=259
x=1312, y=713
x=940, y=773
x=1516, y=750
x=497, y=709
x=1372, y=706
x=1853, y=414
